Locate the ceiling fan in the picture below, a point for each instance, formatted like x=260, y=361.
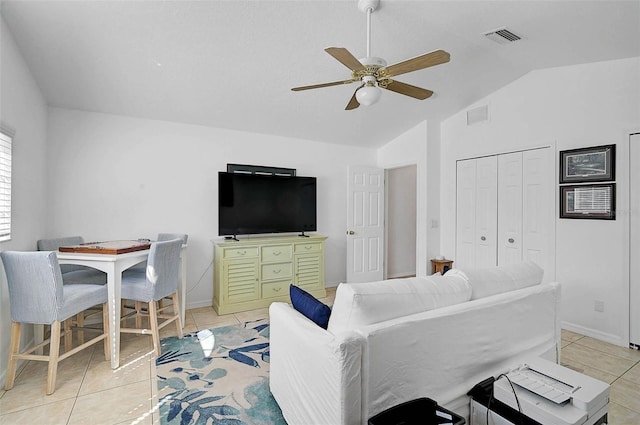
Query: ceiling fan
x=373, y=72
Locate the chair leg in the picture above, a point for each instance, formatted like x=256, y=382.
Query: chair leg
x=14, y=349
x=54, y=352
x=138, y=306
x=176, y=311
x=153, y=322
x=107, y=340
x=80, y=325
x=68, y=336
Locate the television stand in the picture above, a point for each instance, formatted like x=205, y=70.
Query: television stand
x=252, y=273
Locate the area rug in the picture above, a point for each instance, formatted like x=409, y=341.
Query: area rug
x=217, y=376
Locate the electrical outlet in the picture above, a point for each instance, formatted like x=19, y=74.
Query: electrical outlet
x=598, y=306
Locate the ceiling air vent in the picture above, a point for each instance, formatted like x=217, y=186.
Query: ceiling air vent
x=502, y=36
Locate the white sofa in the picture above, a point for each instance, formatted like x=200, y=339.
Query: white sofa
x=372, y=357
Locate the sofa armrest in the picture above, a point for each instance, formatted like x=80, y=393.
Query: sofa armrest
x=314, y=375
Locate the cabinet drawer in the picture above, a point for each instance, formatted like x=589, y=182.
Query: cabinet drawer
x=276, y=253
x=302, y=248
x=279, y=288
x=241, y=252
x=276, y=271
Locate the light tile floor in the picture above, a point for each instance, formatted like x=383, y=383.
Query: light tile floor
x=88, y=391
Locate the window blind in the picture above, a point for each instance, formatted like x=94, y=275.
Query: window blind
x=5, y=186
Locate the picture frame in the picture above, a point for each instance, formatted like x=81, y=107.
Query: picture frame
x=592, y=164
x=592, y=201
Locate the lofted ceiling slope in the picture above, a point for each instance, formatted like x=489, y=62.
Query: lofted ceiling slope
x=231, y=64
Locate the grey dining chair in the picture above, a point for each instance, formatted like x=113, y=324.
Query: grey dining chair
x=160, y=280
x=72, y=273
x=139, y=268
x=38, y=296
x=142, y=267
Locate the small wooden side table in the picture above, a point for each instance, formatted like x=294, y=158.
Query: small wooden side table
x=441, y=266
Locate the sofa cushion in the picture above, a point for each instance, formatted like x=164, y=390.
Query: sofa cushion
x=309, y=306
x=495, y=280
x=360, y=304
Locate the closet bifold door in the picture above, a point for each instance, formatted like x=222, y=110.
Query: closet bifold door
x=510, y=208
x=476, y=212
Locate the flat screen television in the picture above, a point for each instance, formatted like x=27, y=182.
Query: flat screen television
x=257, y=204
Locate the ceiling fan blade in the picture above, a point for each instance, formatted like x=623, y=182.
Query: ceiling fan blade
x=317, y=86
x=353, y=102
x=430, y=59
x=345, y=58
x=408, y=90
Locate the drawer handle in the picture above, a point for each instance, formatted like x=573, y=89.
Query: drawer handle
x=277, y=271
x=242, y=252
x=276, y=289
x=276, y=253
x=308, y=247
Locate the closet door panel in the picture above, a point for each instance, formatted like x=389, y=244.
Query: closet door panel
x=486, y=211
x=509, y=208
x=465, y=213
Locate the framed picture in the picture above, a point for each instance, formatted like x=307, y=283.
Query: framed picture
x=592, y=201
x=594, y=164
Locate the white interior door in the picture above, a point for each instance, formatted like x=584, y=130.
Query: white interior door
x=365, y=224
x=634, y=238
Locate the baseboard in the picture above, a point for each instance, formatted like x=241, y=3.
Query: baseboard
x=199, y=304
x=401, y=275
x=593, y=333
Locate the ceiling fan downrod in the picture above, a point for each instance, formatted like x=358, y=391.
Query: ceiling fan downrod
x=368, y=6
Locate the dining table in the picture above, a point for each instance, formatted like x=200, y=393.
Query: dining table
x=113, y=258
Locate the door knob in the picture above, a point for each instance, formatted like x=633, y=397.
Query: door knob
x=482, y=238
x=351, y=232
x=511, y=240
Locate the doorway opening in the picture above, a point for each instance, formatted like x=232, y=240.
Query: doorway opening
x=400, y=222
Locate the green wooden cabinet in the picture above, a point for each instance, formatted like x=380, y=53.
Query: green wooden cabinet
x=252, y=273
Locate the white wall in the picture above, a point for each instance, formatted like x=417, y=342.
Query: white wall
x=23, y=110
x=114, y=177
x=568, y=107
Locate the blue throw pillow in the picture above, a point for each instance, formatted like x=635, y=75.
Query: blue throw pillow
x=309, y=306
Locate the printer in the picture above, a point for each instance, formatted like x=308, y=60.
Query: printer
x=553, y=395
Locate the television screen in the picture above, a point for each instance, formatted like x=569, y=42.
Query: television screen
x=252, y=204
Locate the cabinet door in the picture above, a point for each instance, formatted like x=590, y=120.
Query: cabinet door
x=242, y=280
x=309, y=271
x=509, y=208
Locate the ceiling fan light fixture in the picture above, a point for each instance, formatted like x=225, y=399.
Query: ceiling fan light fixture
x=370, y=93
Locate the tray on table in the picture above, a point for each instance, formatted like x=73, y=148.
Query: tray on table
x=107, y=247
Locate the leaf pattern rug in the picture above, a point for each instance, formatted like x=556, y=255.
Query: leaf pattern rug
x=217, y=376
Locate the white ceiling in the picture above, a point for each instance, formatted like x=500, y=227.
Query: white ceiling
x=231, y=64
